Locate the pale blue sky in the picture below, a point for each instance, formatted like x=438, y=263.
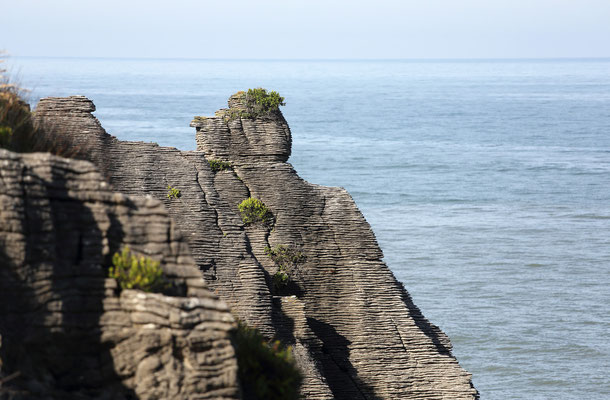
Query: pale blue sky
x=307, y=28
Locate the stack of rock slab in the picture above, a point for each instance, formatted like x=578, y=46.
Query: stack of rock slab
x=355, y=330
x=66, y=330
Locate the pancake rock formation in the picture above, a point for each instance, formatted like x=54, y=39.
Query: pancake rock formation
x=65, y=330
x=355, y=331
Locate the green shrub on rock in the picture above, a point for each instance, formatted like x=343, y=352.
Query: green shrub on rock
x=286, y=258
x=219, y=165
x=6, y=134
x=254, y=103
x=254, y=211
x=132, y=272
x=233, y=114
x=19, y=132
x=173, y=193
x=280, y=280
x=259, y=101
x=266, y=369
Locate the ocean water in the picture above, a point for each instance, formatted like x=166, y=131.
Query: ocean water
x=486, y=182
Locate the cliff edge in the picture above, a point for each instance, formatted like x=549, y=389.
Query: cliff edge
x=354, y=328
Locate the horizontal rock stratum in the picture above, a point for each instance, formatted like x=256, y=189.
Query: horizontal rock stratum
x=66, y=332
x=354, y=328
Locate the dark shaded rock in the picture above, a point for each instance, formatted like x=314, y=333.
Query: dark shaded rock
x=66, y=333
x=355, y=330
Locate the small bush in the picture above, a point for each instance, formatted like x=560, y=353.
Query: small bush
x=233, y=114
x=283, y=256
x=261, y=101
x=254, y=211
x=132, y=272
x=266, y=369
x=6, y=134
x=286, y=258
x=219, y=165
x=256, y=103
x=173, y=193
x=280, y=280
x=19, y=133
x=17, y=130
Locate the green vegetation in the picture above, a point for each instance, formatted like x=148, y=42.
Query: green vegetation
x=219, y=165
x=16, y=127
x=283, y=256
x=280, y=280
x=6, y=134
x=259, y=101
x=172, y=192
x=286, y=258
x=266, y=369
x=18, y=132
x=253, y=211
x=11, y=111
x=132, y=272
x=232, y=114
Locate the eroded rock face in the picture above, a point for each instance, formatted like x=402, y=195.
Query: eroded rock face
x=355, y=330
x=260, y=139
x=66, y=332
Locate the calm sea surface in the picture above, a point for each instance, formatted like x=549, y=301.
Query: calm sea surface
x=487, y=184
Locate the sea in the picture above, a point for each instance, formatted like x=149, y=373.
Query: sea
x=486, y=182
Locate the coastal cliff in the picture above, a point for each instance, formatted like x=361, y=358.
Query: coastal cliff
x=355, y=331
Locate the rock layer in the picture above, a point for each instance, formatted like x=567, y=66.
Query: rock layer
x=355, y=331
x=65, y=330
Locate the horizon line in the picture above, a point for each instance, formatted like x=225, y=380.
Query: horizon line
x=7, y=56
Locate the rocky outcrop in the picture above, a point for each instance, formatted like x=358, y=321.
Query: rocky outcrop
x=263, y=139
x=66, y=331
x=355, y=331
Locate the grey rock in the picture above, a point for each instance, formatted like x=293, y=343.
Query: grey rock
x=66, y=332
x=354, y=328
x=245, y=140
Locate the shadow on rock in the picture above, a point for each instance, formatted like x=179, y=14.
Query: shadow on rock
x=340, y=374
x=438, y=338
x=51, y=297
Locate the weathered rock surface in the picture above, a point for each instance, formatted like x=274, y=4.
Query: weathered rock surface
x=66, y=332
x=355, y=330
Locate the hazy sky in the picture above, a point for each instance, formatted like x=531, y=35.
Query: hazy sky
x=306, y=28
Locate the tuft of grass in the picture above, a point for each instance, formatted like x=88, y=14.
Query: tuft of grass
x=219, y=165
x=253, y=211
x=18, y=132
x=132, y=272
x=266, y=369
x=173, y=193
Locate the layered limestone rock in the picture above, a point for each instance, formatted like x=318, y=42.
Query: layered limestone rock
x=263, y=139
x=355, y=331
x=66, y=330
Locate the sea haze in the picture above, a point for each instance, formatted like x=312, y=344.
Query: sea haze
x=487, y=183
